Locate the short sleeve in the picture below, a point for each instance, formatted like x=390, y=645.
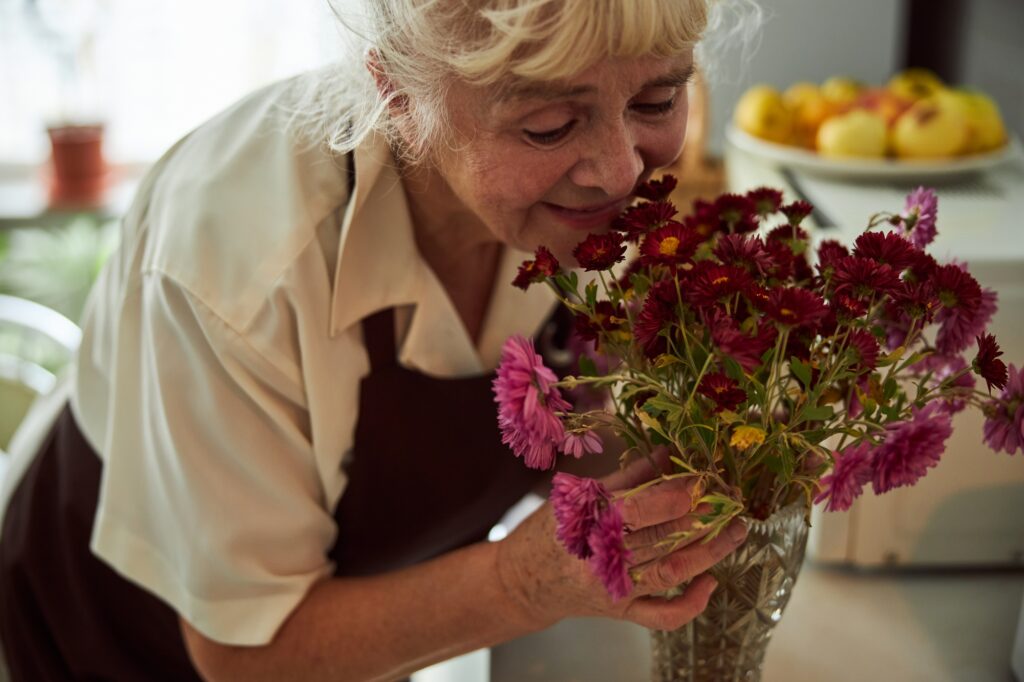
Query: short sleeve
x=210, y=496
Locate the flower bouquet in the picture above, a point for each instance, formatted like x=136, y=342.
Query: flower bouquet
x=778, y=375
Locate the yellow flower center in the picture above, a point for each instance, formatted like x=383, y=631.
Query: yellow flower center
x=668, y=246
x=786, y=312
x=720, y=280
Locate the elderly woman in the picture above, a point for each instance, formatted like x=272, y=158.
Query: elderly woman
x=280, y=458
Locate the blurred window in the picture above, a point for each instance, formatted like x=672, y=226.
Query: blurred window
x=151, y=70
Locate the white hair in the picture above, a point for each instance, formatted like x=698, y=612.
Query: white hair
x=419, y=47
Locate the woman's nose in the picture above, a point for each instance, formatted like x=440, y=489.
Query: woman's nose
x=613, y=163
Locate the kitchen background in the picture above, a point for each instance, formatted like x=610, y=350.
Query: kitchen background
x=938, y=569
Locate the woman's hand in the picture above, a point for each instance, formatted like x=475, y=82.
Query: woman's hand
x=550, y=584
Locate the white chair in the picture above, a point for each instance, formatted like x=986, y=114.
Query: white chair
x=35, y=343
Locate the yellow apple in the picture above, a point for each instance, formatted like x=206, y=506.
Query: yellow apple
x=915, y=84
x=841, y=90
x=883, y=102
x=935, y=127
x=810, y=109
x=986, y=129
x=762, y=113
x=858, y=132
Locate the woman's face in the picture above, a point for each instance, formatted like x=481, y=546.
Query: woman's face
x=553, y=161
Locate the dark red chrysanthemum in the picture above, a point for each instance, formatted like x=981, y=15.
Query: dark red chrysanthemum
x=963, y=314
x=797, y=211
x=758, y=295
x=638, y=220
x=766, y=200
x=987, y=364
x=913, y=300
x=704, y=219
x=543, y=265
x=606, y=318
x=923, y=267
x=736, y=213
x=886, y=247
x=710, y=282
x=848, y=308
x=723, y=391
x=732, y=342
x=865, y=350
x=788, y=234
x=862, y=277
x=670, y=244
x=801, y=268
x=600, y=251
x=782, y=260
x=658, y=310
x=828, y=324
x=744, y=251
x=794, y=306
x=625, y=280
x=657, y=190
x=829, y=253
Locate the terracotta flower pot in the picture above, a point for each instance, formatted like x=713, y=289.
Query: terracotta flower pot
x=79, y=170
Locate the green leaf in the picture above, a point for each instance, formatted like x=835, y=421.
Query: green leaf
x=729, y=417
x=818, y=413
x=587, y=366
x=815, y=436
x=889, y=390
x=658, y=439
x=591, y=293
x=733, y=369
x=801, y=370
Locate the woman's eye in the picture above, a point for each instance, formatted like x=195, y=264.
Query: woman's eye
x=547, y=137
x=655, y=107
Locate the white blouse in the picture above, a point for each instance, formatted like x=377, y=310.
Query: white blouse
x=219, y=371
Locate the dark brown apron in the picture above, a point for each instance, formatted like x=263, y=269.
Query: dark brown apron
x=429, y=474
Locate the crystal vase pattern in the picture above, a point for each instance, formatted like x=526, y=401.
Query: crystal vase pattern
x=727, y=642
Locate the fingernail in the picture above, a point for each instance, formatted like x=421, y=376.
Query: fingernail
x=737, y=530
x=698, y=489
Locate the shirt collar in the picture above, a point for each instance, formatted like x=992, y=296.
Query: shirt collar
x=379, y=266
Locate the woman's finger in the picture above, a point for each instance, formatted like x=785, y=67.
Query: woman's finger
x=662, y=502
x=652, y=542
x=640, y=470
x=658, y=613
x=686, y=563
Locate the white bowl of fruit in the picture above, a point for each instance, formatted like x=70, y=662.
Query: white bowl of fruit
x=914, y=127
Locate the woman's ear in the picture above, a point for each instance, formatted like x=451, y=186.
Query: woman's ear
x=385, y=86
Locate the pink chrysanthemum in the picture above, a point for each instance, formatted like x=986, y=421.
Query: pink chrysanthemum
x=850, y=474
x=919, y=214
x=579, y=444
x=911, y=447
x=576, y=503
x=610, y=556
x=527, y=402
x=1004, y=417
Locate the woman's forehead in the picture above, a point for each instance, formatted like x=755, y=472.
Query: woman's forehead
x=668, y=72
